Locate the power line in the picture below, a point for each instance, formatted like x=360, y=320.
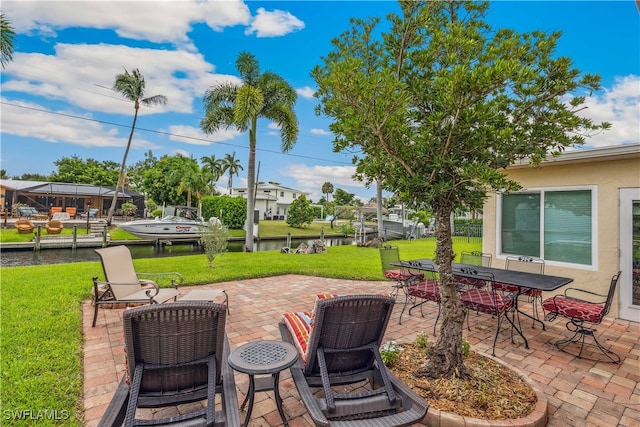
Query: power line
x=159, y=132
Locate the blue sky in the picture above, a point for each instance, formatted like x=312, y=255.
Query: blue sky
x=56, y=99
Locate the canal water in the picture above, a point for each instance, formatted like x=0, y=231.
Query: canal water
x=9, y=258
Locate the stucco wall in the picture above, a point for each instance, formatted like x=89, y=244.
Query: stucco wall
x=607, y=176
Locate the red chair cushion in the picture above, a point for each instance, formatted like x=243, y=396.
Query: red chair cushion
x=486, y=301
x=402, y=275
x=503, y=287
x=574, y=309
x=426, y=289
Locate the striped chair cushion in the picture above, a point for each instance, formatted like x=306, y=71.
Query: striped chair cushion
x=574, y=309
x=426, y=289
x=299, y=325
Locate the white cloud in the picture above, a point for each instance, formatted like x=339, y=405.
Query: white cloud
x=181, y=76
x=61, y=126
x=618, y=105
x=273, y=24
x=306, y=92
x=170, y=21
x=311, y=178
x=320, y=132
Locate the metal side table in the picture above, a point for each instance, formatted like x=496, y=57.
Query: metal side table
x=263, y=358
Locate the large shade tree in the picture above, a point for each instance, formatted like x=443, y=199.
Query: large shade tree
x=132, y=87
x=450, y=102
x=239, y=105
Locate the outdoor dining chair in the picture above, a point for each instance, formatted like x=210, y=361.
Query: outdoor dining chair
x=526, y=264
x=402, y=276
x=589, y=309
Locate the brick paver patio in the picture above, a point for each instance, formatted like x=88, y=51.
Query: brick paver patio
x=579, y=392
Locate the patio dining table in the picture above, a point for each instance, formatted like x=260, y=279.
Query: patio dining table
x=522, y=280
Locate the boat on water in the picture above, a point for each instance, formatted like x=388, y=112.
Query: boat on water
x=182, y=224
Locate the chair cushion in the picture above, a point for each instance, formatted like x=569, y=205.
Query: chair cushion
x=514, y=289
x=402, y=275
x=574, y=309
x=426, y=289
x=299, y=325
x=486, y=301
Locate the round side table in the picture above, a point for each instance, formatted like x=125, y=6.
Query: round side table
x=263, y=358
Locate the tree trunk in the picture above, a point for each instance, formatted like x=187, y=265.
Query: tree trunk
x=251, y=183
x=445, y=357
x=379, y=207
x=120, y=182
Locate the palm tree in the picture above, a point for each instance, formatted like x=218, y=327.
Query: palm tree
x=264, y=95
x=231, y=165
x=327, y=188
x=7, y=35
x=131, y=86
x=213, y=167
x=193, y=182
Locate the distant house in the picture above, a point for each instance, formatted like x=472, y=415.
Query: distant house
x=45, y=195
x=272, y=200
x=580, y=212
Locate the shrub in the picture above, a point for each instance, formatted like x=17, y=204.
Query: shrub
x=214, y=240
x=390, y=353
x=232, y=211
x=300, y=212
x=128, y=209
x=422, y=340
x=347, y=229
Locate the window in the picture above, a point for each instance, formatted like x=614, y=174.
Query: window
x=282, y=194
x=556, y=225
x=294, y=195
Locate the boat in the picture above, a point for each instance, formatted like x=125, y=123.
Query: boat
x=182, y=224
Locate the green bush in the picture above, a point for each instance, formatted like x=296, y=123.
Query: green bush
x=232, y=211
x=300, y=212
x=214, y=239
x=128, y=209
x=347, y=229
x=390, y=353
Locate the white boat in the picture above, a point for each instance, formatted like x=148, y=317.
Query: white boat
x=183, y=224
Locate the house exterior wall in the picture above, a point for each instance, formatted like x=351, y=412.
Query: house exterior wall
x=606, y=176
x=271, y=200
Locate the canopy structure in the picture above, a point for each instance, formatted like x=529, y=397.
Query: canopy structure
x=45, y=195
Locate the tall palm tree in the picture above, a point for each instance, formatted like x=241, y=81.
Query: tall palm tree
x=264, y=95
x=233, y=166
x=131, y=86
x=327, y=188
x=7, y=34
x=213, y=167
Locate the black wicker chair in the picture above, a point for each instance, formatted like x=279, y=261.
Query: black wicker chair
x=343, y=349
x=176, y=353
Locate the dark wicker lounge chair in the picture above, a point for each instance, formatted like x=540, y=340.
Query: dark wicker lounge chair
x=343, y=349
x=124, y=285
x=176, y=353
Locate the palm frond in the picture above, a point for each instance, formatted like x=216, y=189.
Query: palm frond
x=155, y=100
x=248, y=68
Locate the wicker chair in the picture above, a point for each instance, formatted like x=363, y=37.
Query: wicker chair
x=54, y=227
x=124, y=285
x=176, y=354
x=24, y=226
x=580, y=311
x=343, y=349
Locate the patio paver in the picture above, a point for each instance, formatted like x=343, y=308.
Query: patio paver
x=579, y=392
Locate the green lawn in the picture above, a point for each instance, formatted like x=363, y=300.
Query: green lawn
x=41, y=346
